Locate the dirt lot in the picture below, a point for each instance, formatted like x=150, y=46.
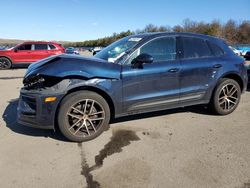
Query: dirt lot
x=185, y=147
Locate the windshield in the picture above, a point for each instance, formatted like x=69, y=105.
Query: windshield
x=117, y=49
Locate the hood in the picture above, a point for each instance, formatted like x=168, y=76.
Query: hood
x=73, y=65
x=4, y=51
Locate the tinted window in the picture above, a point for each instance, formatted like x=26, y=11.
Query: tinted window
x=25, y=47
x=162, y=49
x=195, y=48
x=41, y=47
x=52, y=47
x=217, y=51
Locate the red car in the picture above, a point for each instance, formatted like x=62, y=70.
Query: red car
x=28, y=52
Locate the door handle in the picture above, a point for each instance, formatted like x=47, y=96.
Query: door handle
x=217, y=66
x=173, y=70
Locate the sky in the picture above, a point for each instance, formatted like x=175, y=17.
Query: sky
x=79, y=20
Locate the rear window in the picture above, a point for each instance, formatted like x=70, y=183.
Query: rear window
x=41, y=47
x=52, y=47
x=195, y=48
x=217, y=51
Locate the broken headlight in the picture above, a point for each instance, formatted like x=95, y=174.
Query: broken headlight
x=40, y=81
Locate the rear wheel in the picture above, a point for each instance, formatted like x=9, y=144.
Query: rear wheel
x=226, y=97
x=83, y=116
x=5, y=63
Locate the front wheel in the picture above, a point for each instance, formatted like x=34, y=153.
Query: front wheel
x=5, y=63
x=226, y=97
x=83, y=116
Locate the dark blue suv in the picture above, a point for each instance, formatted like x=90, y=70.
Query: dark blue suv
x=137, y=74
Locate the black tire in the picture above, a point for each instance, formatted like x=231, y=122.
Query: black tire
x=77, y=101
x=219, y=102
x=5, y=63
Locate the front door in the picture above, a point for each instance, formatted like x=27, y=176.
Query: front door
x=23, y=54
x=155, y=85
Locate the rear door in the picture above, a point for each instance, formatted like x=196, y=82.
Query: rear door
x=41, y=51
x=198, y=68
x=155, y=85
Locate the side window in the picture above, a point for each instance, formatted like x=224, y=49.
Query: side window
x=195, y=48
x=24, y=47
x=51, y=47
x=217, y=51
x=162, y=49
x=41, y=47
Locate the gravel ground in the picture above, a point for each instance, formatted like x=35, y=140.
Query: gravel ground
x=185, y=147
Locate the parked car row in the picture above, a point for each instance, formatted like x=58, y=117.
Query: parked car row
x=237, y=52
x=96, y=49
x=72, y=50
x=243, y=50
x=3, y=47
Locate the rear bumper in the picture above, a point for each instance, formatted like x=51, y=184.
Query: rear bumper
x=34, y=112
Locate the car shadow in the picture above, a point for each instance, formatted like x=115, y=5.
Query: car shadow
x=248, y=86
x=20, y=66
x=198, y=109
x=10, y=118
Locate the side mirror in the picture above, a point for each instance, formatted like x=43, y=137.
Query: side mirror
x=15, y=50
x=142, y=59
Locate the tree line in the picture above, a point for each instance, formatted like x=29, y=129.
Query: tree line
x=232, y=31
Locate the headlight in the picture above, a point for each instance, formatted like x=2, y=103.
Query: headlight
x=40, y=81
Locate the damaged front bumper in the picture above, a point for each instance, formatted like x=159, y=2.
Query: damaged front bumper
x=35, y=110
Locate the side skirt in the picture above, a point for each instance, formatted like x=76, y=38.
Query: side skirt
x=163, y=107
x=20, y=65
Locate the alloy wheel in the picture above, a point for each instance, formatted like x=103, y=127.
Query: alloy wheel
x=85, y=118
x=228, y=97
x=4, y=63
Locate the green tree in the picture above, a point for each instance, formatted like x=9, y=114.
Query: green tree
x=231, y=31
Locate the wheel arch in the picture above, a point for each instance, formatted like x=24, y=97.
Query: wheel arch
x=99, y=91
x=7, y=58
x=230, y=75
x=87, y=88
x=236, y=77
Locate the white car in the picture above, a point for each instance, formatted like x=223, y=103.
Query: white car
x=95, y=50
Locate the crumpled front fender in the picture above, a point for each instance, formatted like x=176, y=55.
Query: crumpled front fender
x=74, y=66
